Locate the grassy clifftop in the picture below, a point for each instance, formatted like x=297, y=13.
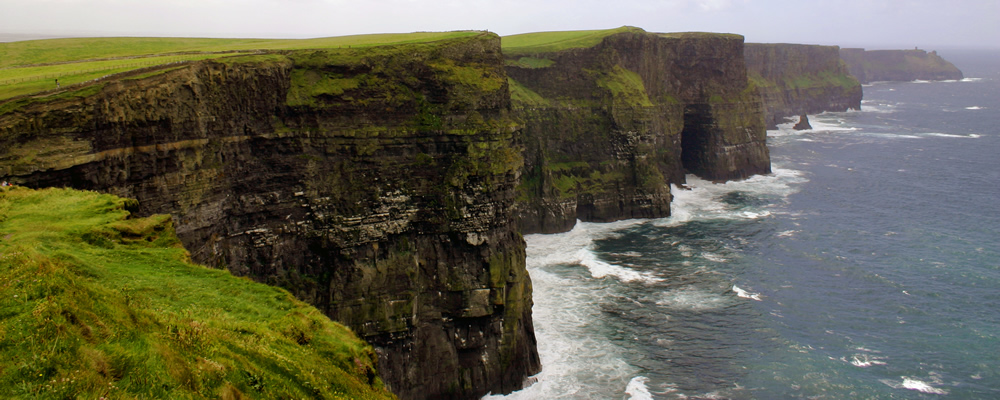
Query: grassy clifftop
x=94, y=304
x=34, y=66
x=547, y=42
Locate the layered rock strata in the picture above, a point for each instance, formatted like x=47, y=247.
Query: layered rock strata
x=798, y=79
x=898, y=65
x=609, y=127
x=377, y=184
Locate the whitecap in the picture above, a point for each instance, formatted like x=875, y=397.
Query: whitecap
x=949, y=135
x=702, y=200
x=974, y=108
x=921, y=386
x=637, y=389
x=600, y=269
x=893, y=135
x=789, y=233
x=745, y=294
x=713, y=257
x=920, y=81
x=911, y=383
x=971, y=80
x=691, y=298
x=864, y=360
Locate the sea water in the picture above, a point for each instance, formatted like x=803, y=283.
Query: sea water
x=866, y=266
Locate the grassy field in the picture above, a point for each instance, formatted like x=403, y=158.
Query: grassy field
x=97, y=305
x=32, y=66
x=545, y=42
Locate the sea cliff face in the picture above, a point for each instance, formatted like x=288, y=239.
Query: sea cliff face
x=377, y=184
x=797, y=79
x=898, y=65
x=608, y=127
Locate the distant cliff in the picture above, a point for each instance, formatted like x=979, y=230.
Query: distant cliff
x=898, y=65
x=609, y=124
x=377, y=184
x=797, y=79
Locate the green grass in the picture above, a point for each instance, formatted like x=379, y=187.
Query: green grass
x=626, y=87
x=32, y=66
x=547, y=42
x=521, y=96
x=95, y=304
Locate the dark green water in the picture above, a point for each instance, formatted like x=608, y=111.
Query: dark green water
x=866, y=266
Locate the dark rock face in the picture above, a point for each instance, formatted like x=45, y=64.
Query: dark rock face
x=610, y=127
x=898, y=65
x=797, y=79
x=377, y=184
x=803, y=123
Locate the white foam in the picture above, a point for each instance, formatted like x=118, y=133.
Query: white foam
x=702, y=200
x=911, y=383
x=600, y=269
x=789, y=233
x=713, y=257
x=949, y=135
x=889, y=135
x=745, y=294
x=691, y=298
x=576, y=356
x=827, y=122
x=921, y=386
x=971, y=80
x=974, y=108
x=864, y=360
x=637, y=389
x=564, y=248
x=920, y=81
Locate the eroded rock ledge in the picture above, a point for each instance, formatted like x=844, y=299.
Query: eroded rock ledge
x=898, y=65
x=799, y=79
x=609, y=127
x=377, y=184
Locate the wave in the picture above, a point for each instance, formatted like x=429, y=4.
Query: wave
x=701, y=199
x=691, y=298
x=637, y=389
x=600, y=269
x=949, y=135
x=971, y=80
x=567, y=318
x=864, y=360
x=745, y=294
x=914, y=384
x=974, y=108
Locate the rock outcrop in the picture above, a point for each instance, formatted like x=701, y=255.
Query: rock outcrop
x=898, y=65
x=610, y=125
x=377, y=184
x=798, y=79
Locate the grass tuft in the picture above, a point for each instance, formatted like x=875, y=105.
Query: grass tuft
x=94, y=304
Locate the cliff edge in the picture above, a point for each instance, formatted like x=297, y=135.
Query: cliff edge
x=898, y=65
x=798, y=79
x=376, y=183
x=612, y=118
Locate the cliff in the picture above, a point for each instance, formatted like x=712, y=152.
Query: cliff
x=796, y=79
x=898, y=65
x=612, y=118
x=97, y=304
x=376, y=183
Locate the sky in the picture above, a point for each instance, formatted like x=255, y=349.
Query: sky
x=927, y=24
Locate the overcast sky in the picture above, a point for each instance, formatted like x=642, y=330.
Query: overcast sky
x=928, y=24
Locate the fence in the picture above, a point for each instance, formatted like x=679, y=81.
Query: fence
x=87, y=71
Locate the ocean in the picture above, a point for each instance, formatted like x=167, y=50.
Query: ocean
x=866, y=266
